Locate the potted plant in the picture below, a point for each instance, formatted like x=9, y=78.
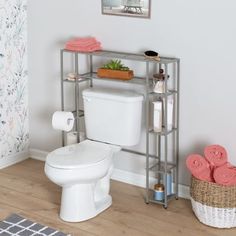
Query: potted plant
x=114, y=69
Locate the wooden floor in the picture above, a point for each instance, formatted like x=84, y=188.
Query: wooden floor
x=25, y=190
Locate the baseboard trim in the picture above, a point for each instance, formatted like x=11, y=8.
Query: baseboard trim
x=119, y=175
x=140, y=181
x=38, y=154
x=13, y=159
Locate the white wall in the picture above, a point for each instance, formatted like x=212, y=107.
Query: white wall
x=201, y=33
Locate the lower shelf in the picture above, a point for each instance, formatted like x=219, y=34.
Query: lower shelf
x=169, y=198
x=135, y=80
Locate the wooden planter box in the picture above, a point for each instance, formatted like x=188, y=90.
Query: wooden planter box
x=115, y=74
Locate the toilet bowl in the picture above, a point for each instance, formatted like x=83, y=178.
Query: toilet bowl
x=83, y=171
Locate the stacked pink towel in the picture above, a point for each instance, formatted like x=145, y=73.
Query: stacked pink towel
x=199, y=167
x=88, y=44
x=214, y=167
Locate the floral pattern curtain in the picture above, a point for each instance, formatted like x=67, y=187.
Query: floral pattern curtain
x=14, y=130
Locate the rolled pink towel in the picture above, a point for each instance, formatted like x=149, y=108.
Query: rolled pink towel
x=225, y=175
x=216, y=155
x=199, y=167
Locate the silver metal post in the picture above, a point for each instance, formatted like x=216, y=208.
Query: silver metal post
x=177, y=132
x=159, y=158
x=159, y=137
x=77, y=96
x=62, y=90
x=166, y=137
x=175, y=102
x=91, y=68
x=147, y=132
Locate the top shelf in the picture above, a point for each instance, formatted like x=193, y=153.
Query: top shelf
x=126, y=56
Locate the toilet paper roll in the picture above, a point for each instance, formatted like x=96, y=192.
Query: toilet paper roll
x=62, y=120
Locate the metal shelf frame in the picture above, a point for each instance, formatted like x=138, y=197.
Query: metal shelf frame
x=162, y=166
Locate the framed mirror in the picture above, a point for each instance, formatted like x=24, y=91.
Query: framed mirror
x=135, y=8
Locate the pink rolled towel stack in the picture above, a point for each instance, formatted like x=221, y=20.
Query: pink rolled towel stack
x=87, y=44
x=214, y=167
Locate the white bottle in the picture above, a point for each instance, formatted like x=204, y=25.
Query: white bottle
x=170, y=111
x=170, y=108
x=157, y=116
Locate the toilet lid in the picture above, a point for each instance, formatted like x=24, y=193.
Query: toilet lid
x=78, y=155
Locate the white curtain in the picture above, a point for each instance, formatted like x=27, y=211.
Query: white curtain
x=14, y=130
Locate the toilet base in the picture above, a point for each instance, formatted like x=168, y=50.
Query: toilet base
x=77, y=203
x=103, y=204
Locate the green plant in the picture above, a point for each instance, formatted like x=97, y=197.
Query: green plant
x=115, y=65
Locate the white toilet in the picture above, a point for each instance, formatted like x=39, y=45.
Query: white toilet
x=83, y=170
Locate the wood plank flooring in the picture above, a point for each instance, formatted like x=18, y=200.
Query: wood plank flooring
x=25, y=190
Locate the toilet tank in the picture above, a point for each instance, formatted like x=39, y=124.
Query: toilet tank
x=113, y=116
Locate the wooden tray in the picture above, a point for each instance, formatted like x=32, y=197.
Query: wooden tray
x=115, y=74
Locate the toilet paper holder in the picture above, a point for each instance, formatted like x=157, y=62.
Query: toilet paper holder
x=70, y=120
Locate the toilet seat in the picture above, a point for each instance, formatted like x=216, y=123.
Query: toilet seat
x=80, y=155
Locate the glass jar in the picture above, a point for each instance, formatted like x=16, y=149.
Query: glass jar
x=159, y=82
x=158, y=192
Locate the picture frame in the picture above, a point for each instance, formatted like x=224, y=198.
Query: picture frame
x=131, y=8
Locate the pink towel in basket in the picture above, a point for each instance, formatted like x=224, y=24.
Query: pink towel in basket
x=216, y=155
x=199, y=167
x=225, y=175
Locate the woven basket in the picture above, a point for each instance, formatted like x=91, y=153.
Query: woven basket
x=213, y=204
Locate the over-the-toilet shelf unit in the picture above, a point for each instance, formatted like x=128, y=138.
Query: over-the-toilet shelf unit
x=160, y=166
